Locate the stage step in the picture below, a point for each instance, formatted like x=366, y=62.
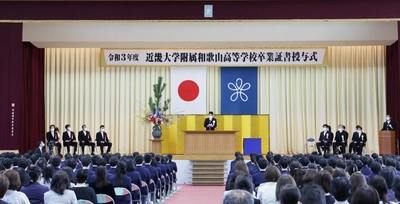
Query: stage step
x=209, y=173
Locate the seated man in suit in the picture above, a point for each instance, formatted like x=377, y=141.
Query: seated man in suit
x=210, y=123
x=40, y=150
x=85, y=138
x=340, y=140
x=69, y=138
x=53, y=137
x=358, y=140
x=102, y=140
x=325, y=139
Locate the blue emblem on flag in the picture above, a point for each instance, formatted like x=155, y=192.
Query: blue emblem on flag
x=239, y=86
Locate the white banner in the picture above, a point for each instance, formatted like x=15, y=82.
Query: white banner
x=194, y=57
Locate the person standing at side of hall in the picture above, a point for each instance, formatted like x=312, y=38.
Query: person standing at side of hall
x=210, y=123
x=389, y=125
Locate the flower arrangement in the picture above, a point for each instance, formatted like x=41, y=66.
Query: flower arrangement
x=156, y=114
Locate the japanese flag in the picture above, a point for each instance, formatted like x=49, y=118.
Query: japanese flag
x=188, y=90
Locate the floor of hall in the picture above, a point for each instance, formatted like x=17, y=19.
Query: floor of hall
x=196, y=195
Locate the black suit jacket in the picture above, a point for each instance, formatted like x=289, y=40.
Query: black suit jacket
x=99, y=138
x=207, y=121
x=66, y=136
x=358, y=139
x=50, y=138
x=82, y=137
x=323, y=137
x=37, y=151
x=338, y=137
x=387, y=127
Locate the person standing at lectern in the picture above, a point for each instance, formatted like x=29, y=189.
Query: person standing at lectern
x=389, y=125
x=210, y=123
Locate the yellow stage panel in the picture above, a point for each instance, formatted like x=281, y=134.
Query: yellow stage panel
x=249, y=126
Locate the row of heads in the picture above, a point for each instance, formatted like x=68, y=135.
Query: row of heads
x=8, y=160
x=68, y=127
x=348, y=160
x=341, y=127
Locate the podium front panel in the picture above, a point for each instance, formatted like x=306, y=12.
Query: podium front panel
x=387, y=142
x=210, y=142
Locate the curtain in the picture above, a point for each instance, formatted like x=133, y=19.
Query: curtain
x=393, y=83
x=350, y=91
x=11, y=85
x=299, y=100
x=79, y=91
x=32, y=124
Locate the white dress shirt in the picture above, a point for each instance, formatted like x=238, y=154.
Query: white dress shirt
x=266, y=193
x=15, y=197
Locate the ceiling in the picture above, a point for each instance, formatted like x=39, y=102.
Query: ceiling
x=203, y=34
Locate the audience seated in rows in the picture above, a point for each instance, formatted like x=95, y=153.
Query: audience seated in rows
x=337, y=179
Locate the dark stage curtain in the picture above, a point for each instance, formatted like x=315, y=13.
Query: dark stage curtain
x=10, y=84
x=32, y=125
x=393, y=83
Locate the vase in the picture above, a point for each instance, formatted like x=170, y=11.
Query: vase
x=156, y=132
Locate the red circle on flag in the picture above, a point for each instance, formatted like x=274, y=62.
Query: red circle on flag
x=188, y=90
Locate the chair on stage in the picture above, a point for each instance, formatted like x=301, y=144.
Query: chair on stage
x=355, y=148
x=310, y=142
x=328, y=148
